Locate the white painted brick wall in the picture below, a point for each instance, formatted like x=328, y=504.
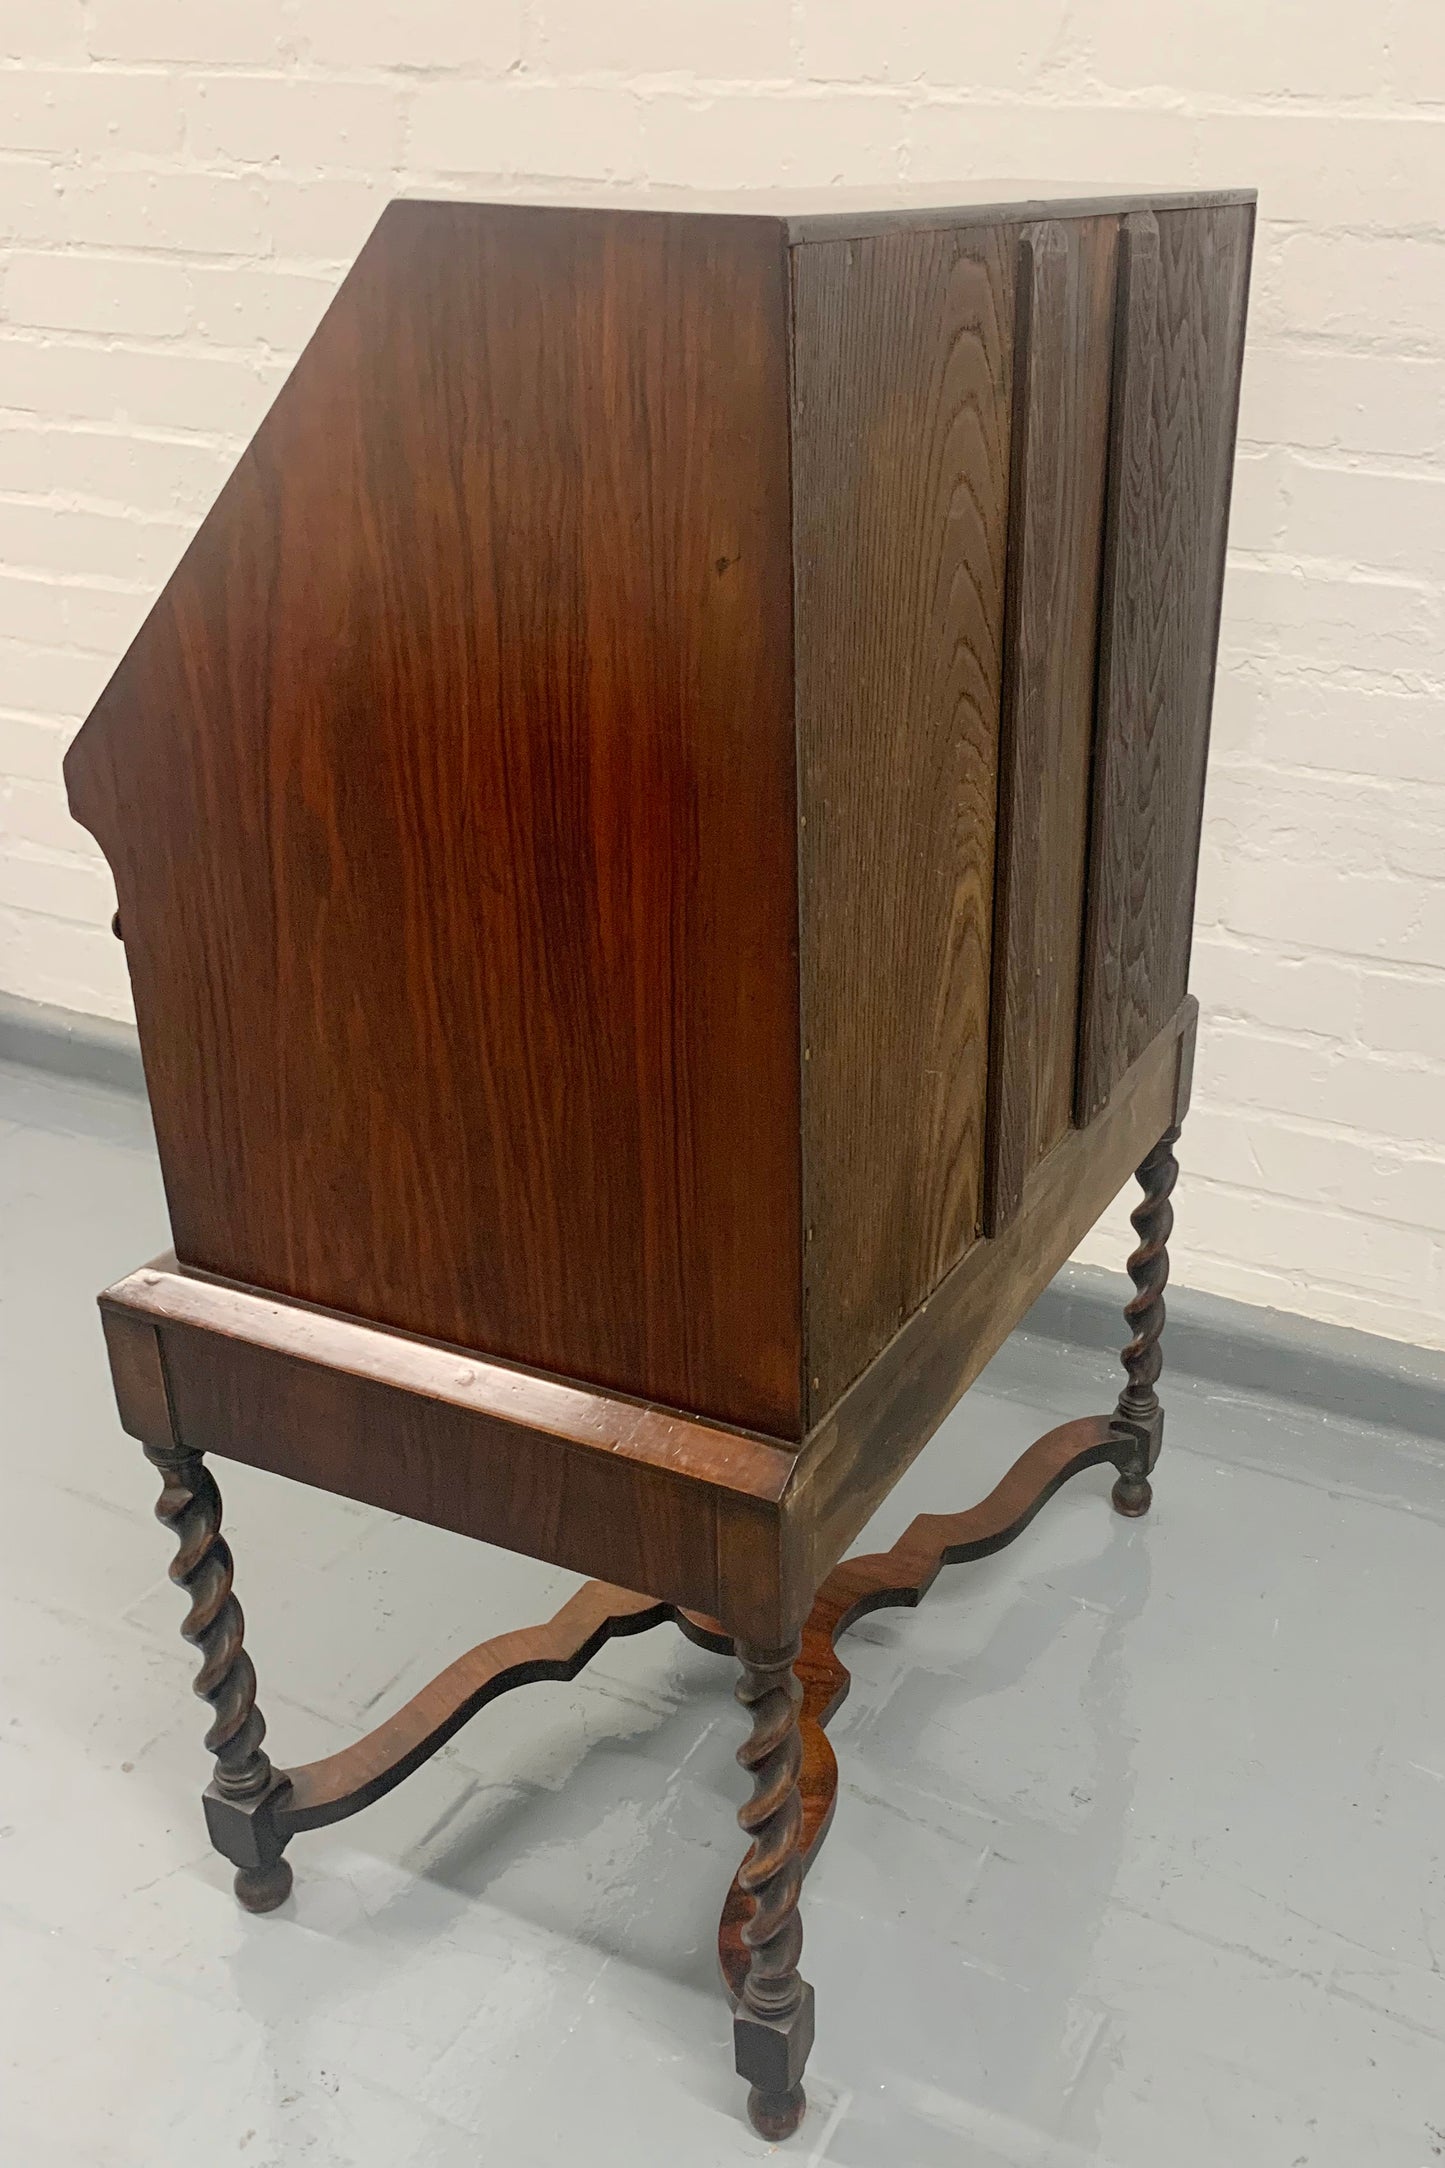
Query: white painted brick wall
x=182, y=183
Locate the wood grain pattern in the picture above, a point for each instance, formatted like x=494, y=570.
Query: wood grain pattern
x=860, y=1449
x=495, y=1394
x=734, y=1525
x=1180, y=331
x=843, y=214
x=903, y=364
x=449, y=792
x=636, y=1495
x=600, y=820
x=1061, y=427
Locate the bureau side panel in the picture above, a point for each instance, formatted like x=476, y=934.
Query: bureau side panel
x=1179, y=340
x=1056, y=524
x=450, y=797
x=902, y=384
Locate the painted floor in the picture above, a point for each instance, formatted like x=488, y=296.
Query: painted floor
x=1137, y=1860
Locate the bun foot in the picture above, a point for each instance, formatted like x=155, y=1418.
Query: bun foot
x=777, y=2115
x=1132, y=1496
x=261, y=1889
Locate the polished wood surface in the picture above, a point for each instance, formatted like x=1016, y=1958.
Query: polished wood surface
x=1180, y=343
x=190, y=1507
x=856, y=1454
x=633, y=1494
x=1056, y=513
x=773, y=2013
x=515, y=1402
x=717, y=1520
x=902, y=383
x=341, y=1784
x=902, y=1576
x=655, y=829
x=449, y=795
x=315, y=1795
x=616, y=767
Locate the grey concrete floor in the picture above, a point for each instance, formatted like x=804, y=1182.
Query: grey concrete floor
x=1137, y=1859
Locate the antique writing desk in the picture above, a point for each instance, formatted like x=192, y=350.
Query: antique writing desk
x=655, y=832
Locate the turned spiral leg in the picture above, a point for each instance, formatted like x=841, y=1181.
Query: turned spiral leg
x=773, y=2024
x=243, y=1780
x=1140, y=1419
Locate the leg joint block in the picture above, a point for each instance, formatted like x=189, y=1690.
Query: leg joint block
x=247, y=1831
x=772, y=2052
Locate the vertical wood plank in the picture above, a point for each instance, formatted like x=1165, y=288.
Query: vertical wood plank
x=1180, y=331
x=902, y=377
x=1061, y=430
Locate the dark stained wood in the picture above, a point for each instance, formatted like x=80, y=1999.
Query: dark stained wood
x=600, y=818
x=860, y=1449
x=1061, y=417
x=902, y=378
x=639, y=1495
x=734, y=1525
x=1140, y=1415
x=190, y=1506
x=449, y=792
x=518, y=1404
x=884, y=1581
x=773, y=2017
x=133, y=1345
x=327, y=1791
x=1180, y=332
x=317, y=1794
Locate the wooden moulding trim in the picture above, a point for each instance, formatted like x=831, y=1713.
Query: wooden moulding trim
x=520, y=1399
x=856, y=1454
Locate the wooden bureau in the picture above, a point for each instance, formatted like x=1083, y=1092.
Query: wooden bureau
x=655, y=831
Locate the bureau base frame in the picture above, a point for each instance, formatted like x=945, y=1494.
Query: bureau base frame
x=254, y=1809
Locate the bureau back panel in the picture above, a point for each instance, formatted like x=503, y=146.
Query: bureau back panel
x=449, y=792
x=903, y=381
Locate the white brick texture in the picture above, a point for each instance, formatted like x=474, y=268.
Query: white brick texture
x=182, y=183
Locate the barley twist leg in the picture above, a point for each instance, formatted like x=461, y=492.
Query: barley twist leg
x=1140, y=1419
x=773, y=2026
x=190, y=1506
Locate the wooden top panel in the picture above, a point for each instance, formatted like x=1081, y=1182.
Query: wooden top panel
x=901, y=466
x=841, y=214
x=449, y=793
